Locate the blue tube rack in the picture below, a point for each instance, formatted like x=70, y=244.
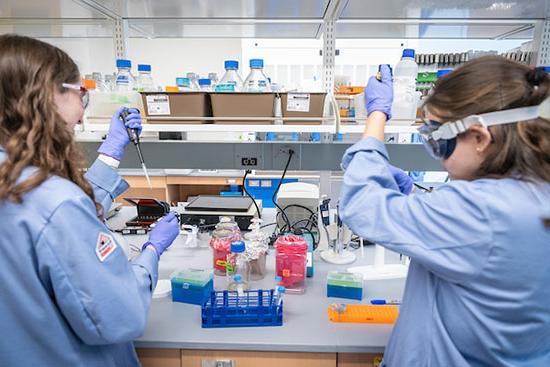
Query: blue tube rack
x=227, y=309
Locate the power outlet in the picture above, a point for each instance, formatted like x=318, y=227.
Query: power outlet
x=249, y=161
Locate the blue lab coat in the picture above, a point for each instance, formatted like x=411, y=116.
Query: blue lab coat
x=60, y=305
x=478, y=288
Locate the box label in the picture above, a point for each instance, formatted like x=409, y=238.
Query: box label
x=309, y=259
x=298, y=102
x=158, y=104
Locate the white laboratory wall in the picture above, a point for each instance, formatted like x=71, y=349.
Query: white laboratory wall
x=90, y=54
x=294, y=64
x=358, y=59
x=169, y=58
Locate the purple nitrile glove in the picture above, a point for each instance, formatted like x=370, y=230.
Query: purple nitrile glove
x=379, y=93
x=403, y=180
x=117, y=137
x=165, y=232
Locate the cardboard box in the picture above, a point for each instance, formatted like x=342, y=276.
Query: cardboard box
x=303, y=105
x=243, y=105
x=180, y=104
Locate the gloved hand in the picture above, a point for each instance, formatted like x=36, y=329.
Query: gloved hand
x=402, y=179
x=117, y=137
x=165, y=232
x=379, y=93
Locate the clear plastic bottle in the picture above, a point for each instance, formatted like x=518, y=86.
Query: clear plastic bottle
x=124, y=79
x=237, y=265
x=100, y=84
x=256, y=81
x=193, y=78
x=144, y=81
x=205, y=85
x=110, y=82
x=213, y=79
x=231, y=81
x=404, y=87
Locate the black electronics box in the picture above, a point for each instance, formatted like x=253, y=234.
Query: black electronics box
x=206, y=211
x=149, y=211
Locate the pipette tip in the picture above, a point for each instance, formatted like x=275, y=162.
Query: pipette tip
x=146, y=175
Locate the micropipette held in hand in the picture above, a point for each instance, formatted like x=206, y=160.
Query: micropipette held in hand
x=134, y=138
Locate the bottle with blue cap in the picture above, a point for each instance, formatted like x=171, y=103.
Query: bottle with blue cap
x=124, y=80
x=237, y=265
x=256, y=81
x=231, y=81
x=405, y=97
x=144, y=80
x=205, y=85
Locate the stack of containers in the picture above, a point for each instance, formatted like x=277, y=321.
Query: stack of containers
x=256, y=250
x=223, y=236
x=290, y=263
x=345, y=285
x=192, y=286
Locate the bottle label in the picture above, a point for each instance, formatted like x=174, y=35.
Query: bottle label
x=122, y=80
x=298, y=102
x=158, y=104
x=226, y=87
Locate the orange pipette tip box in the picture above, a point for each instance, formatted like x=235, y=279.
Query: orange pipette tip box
x=363, y=314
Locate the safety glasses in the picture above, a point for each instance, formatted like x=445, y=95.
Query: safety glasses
x=440, y=139
x=84, y=95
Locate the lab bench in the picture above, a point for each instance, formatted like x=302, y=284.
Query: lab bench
x=174, y=336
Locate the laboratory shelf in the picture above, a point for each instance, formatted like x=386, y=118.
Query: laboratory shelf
x=399, y=127
x=221, y=128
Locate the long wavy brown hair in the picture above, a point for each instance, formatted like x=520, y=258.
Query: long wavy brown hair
x=32, y=132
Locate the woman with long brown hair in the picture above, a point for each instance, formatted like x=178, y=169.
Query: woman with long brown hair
x=69, y=296
x=477, y=291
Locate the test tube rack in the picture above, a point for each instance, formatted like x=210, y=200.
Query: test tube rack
x=255, y=308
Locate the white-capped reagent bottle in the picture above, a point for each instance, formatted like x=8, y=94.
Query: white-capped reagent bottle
x=213, y=79
x=124, y=80
x=231, y=81
x=405, y=97
x=144, y=80
x=256, y=81
x=193, y=78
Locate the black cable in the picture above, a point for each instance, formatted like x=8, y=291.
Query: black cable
x=422, y=187
x=299, y=206
x=267, y=225
x=250, y=196
x=315, y=242
x=290, y=154
x=313, y=223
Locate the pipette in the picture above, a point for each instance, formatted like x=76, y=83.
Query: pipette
x=134, y=138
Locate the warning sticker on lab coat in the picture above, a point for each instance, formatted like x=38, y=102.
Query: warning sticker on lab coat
x=158, y=104
x=104, y=246
x=298, y=102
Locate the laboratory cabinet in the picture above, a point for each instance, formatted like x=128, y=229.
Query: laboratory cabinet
x=177, y=188
x=222, y=358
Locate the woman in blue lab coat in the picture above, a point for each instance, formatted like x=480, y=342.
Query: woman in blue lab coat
x=477, y=291
x=69, y=296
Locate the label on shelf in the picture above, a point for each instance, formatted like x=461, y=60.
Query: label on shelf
x=158, y=104
x=298, y=102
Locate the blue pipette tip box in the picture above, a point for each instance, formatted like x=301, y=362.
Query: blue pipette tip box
x=192, y=286
x=344, y=285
